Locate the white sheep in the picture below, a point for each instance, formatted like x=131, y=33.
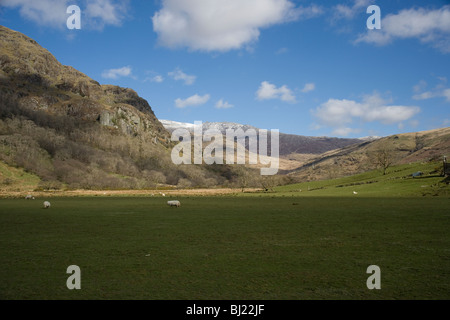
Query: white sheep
x=46, y=204
x=29, y=196
x=174, y=203
x=354, y=192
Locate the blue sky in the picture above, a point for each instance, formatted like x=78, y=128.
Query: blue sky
x=303, y=67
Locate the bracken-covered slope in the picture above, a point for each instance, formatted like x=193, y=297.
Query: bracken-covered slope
x=404, y=148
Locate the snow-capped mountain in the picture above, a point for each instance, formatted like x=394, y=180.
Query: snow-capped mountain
x=289, y=143
x=173, y=125
x=370, y=138
x=220, y=126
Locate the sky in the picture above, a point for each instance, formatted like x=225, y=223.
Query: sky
x=313, y=68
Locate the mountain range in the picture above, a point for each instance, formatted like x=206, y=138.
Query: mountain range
x=289, y=143
x=66, y=130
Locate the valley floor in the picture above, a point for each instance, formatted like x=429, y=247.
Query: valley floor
x=282, y=248
x=78, y=193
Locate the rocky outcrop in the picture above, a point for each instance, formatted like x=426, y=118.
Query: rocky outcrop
x=37, y=80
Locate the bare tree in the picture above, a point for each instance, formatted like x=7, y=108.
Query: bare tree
x=267, y=182
x=157, y=177
x=383, y=158
x=184, y=183
x=243, y=177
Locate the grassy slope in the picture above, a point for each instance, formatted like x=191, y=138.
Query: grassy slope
x=403, y=148
x=397, y=182
x=16, y=179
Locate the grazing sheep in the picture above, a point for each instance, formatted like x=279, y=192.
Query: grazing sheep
x=28, y=197
x=46, y=204
x=354, y=192
x=174, y=203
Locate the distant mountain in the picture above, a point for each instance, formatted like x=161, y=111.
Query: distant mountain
x=369, y=138
x=220, y=126
x=173, y=125
x=289, y=143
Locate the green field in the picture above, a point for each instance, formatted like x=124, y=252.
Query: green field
x=398, y=182
x=226, y=247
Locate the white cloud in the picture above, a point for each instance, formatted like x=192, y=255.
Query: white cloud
x=345, y=131
x=105, y=12
x=443, y=93
x=309, y=87
x=177, y=74
x=446, y=94
x=424, y=95
x=270, y=91
x=223, y=104
x=307, y=12
x=420, y=86
x=46, y=12
x=217, y=25
x=194, y=100
x=341, y=11
x=429, y=26
x=438, y=91
x=52, y=13
x=340, y=113
x=157, y=79
x=116, y=73
x=153, y=76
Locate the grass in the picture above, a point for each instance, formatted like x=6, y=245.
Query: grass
x=17, y=179
x=225, y=248
x=398, y=182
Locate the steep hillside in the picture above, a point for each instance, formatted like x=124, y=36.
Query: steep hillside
x=34, y=78
x=405, y=148
x=72, y=132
